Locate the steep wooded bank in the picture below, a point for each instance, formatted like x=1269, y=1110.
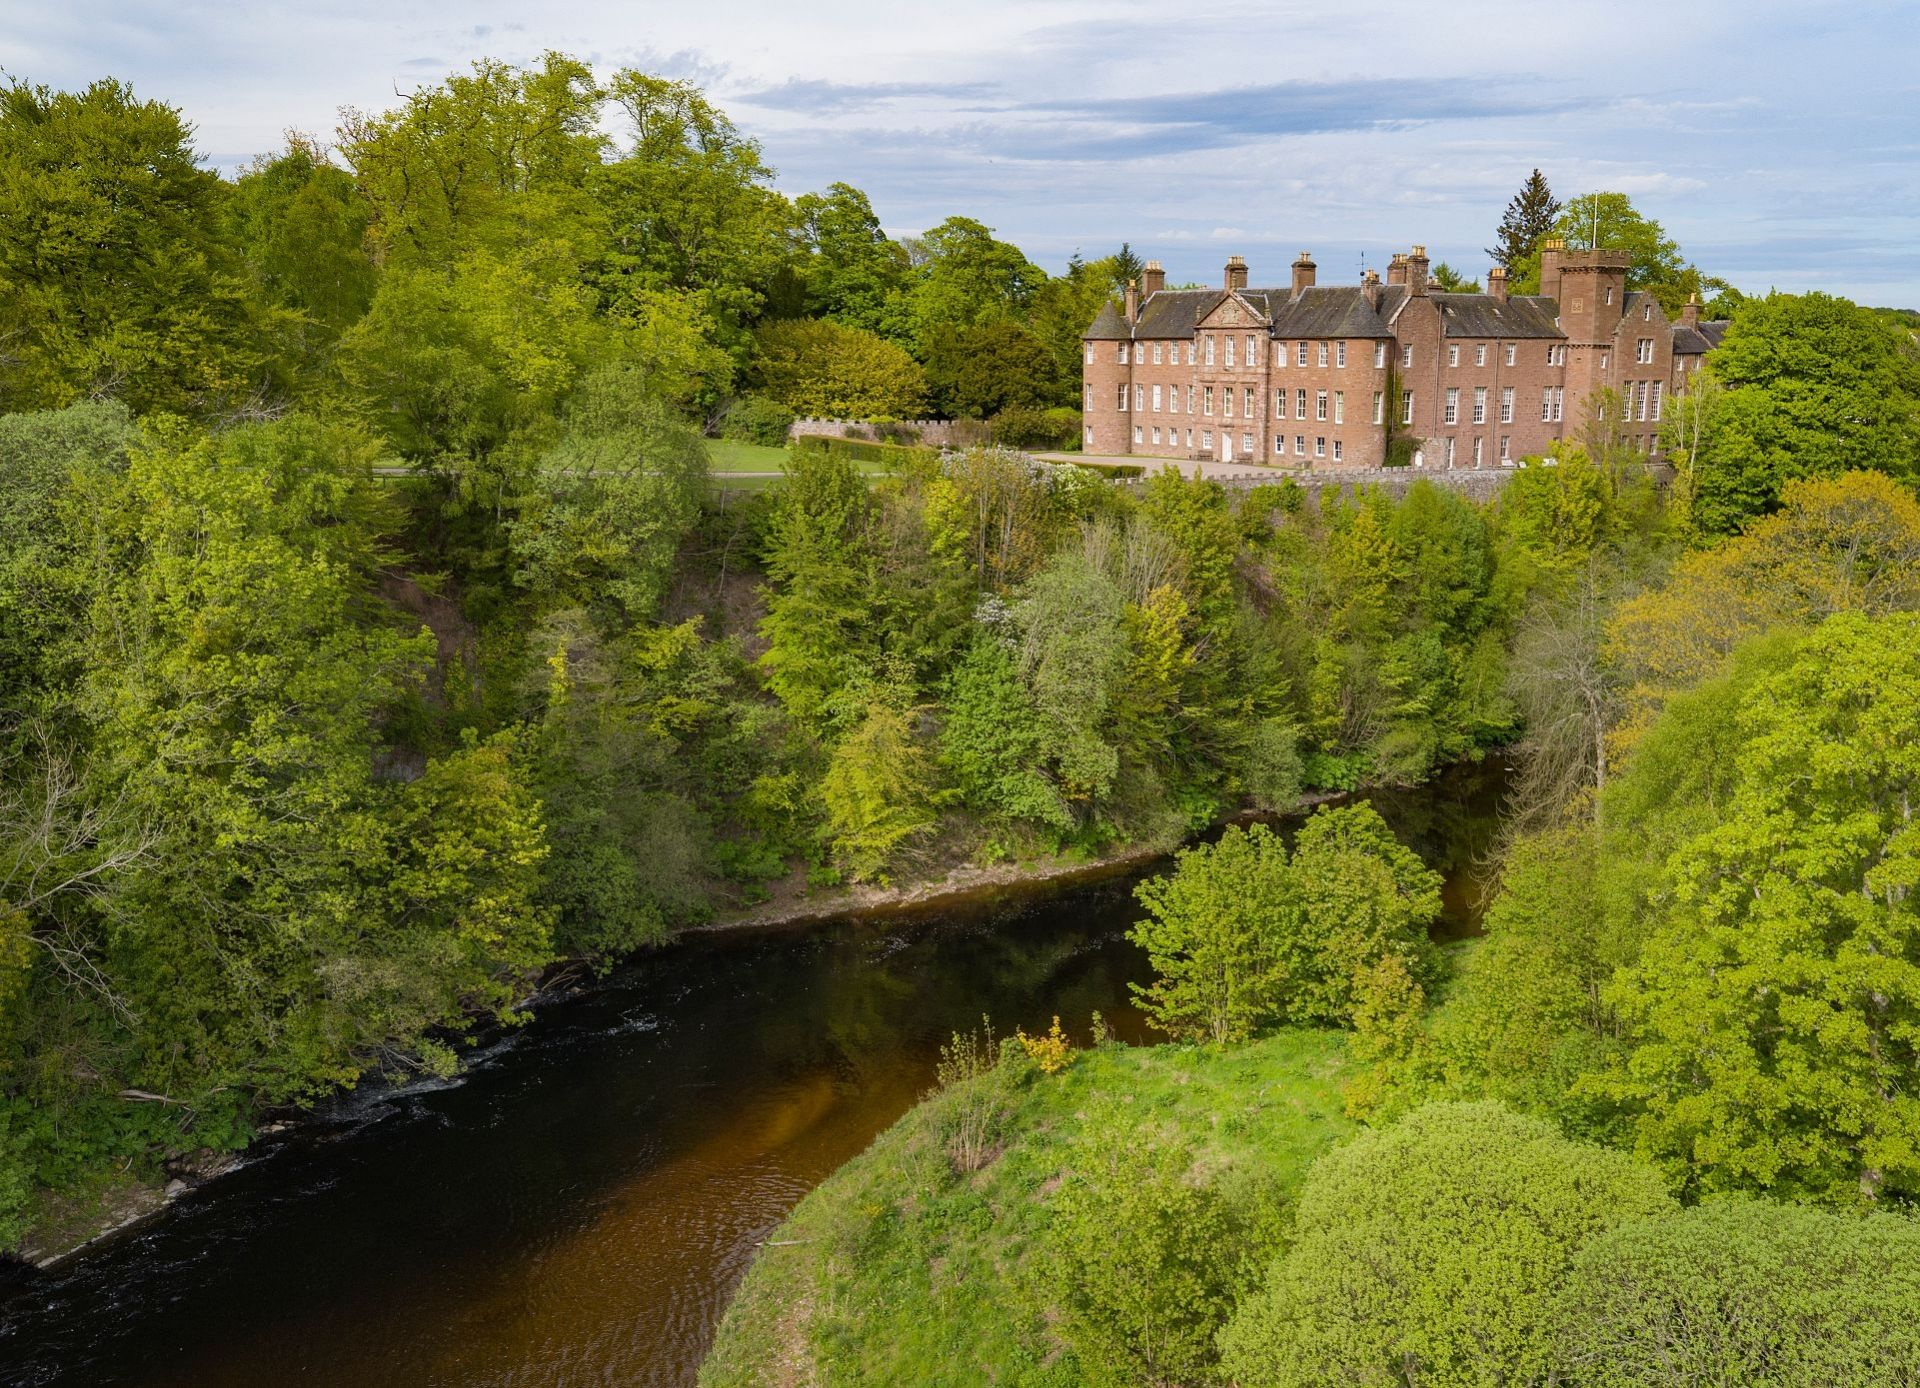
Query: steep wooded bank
x=372, y=636
x=1657, y=1127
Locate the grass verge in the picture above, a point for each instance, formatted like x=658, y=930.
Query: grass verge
x=897, y=1271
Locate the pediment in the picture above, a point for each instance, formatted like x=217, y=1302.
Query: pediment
x=1232, y=311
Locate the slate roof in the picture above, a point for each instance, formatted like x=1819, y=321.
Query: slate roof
x=1110, y=322
x=1482, y=315
x=1701, y=339
x=1328, y=310
x=1173, y=312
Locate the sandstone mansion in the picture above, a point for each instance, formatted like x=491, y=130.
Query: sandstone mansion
x=1324, y=376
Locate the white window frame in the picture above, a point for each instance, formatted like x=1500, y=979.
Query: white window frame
x=1479, y=451
x=1319, y=445
x=1450, y=410
x=1320, y=356
x=1300, y=404
x=1123, y=399
x=1337, y=454
x=1479, y=404
x=1138, y=435
x=1229, y=363
x=1380, y=356
x=1453, y=354
x=1339, y=407
x=1506, y=404
x=1300, y=353
x=1320, y=405
x=1479, y=354
x=1379, y=407
x=1510, y=353
x=1156, y=399
x=1406, y=408
x=1123, y=354
x=1406, y=356
x=1340, y=355
x=1209, y=349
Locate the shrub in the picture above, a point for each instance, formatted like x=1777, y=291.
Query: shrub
x=1145, y=1262
x=756, y=419
x=1432, y=1252
x=1753, y=1293
x=1021, y=426
x=976, y=1087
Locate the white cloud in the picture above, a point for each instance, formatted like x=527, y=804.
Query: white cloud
x=1230, y=124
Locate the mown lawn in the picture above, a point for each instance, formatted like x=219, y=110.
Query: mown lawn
x=896, y=1271
x=731, y=455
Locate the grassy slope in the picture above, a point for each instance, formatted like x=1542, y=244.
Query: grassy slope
x=901, y=1273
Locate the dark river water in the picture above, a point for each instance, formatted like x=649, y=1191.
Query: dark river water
x=577, y=1208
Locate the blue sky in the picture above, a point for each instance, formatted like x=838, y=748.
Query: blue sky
x=1777, y=142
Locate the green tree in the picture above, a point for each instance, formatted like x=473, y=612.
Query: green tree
x=1210, y=933
x=115, y=276
x=1610, y=221
x=820, y=600
x=1529, y=218
x=42, y=594
x=976, y=371
x=1072, y=652
x=1806, y=386
x=853, y=267
x=609, y=505
x=1744, y=1292
x=1433, y=1252
x=689, y=207
x=1448, y=280
x=1145, y=1260
x=490, y=160
x=825, y=369
x=990, y=742
x=878, y=792
x=1776, y=1005
x=962, y=276
x=302, y=228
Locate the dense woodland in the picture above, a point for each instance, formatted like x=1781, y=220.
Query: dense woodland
x=375, y=642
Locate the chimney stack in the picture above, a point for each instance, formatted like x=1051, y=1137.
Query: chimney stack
x=1690, y=311
x=1133, y=301
x=1397, y=268
x=1553, y=252
x=1236, y=273
x=1417, y=271
x=1370, y=289
x=1303, y=273
x=1497, y=282
x=1153, y=279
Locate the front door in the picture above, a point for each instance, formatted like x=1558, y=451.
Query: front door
x=1226, y=446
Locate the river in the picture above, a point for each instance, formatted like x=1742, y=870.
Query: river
x=577, y=1207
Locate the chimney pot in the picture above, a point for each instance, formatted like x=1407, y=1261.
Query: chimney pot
x=1497, y=282
x=1236, y=275
x=1690, y=311
x=1153, y=279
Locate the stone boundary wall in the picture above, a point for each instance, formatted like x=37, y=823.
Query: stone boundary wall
x=935, y=433
x=1477, y=484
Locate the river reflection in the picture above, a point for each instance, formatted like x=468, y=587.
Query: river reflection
x=577, y=1209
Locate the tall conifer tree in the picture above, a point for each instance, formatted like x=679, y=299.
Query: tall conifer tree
x=1529, y=217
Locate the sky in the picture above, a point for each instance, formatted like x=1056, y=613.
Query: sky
x=1777, y=142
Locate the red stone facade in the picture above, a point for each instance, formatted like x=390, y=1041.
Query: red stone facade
x=1328, y=376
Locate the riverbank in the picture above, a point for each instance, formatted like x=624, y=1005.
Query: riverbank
x=794, y=903
x=899, y=1269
